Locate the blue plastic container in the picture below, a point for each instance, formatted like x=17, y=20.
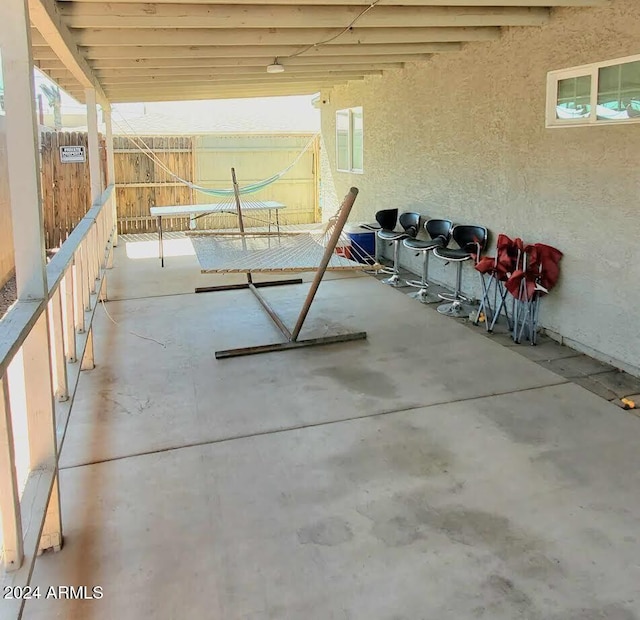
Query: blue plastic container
x=363, y=244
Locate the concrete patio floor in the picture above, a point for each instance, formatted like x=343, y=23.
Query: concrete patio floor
x=426, y=473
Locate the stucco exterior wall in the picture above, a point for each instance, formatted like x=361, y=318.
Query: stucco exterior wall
x=463, y=136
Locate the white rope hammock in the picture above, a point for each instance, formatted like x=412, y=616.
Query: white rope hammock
x=265, y=253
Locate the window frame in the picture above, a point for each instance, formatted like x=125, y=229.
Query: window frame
x=591, y=70
x=350, y=112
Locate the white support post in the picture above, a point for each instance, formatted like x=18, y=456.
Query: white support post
x=41, y=421
x=111, y=171
x=94, y=145
x=9, y=495
x=22, y=151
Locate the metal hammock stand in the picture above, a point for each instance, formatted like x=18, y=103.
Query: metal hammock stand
x=250, y=255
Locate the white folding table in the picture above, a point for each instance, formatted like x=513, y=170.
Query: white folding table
x=194, y=211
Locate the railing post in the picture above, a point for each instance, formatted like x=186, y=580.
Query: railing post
x=69, y=315
x=9, y=495
x=92, y=252
x=112, y=229
x=58, y=361
x=86, y=275
x=78, y=289
x=41, y=421
x=87, y=359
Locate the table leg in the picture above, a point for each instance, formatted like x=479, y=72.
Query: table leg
x=160, y=248
x=278, y=221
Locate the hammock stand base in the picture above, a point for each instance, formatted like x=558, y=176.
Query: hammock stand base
x=291, y=344
x=243, y=285
x=292, y=338
x=292, y=341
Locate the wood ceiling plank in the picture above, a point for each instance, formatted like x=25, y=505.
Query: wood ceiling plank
x=276, y=36
x=222, y=51
x=217, y=78
x=198, y=16
x=249, y=62
x=439, y=3
x=114, y=74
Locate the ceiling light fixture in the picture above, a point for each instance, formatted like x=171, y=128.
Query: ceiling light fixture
x=275, y=67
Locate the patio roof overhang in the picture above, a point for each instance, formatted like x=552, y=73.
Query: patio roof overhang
x=202, y=49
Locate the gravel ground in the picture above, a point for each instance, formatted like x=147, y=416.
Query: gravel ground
x=7, y=296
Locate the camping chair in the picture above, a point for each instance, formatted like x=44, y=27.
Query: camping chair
x=439, y=232
x=410, y=223
x=538, y=274
x=471, y=241
x=494, y=271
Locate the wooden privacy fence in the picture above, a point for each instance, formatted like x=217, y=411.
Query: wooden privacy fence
x=144, y=181
x=66, y=187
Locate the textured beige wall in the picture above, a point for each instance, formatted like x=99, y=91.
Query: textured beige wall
x=6, y=235
x=463, y=136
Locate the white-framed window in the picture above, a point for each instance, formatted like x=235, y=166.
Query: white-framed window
x=603, y=93
x=349, y=140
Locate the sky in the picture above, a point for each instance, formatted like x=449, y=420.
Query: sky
x=297, y=109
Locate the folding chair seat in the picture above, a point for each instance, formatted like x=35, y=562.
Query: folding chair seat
x=439, y=232
x=471, y=241
x=410, y=223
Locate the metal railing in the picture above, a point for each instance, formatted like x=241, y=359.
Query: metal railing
x=55, y=340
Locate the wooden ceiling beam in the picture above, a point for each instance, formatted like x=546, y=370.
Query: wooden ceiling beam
x=277, y=36
x=447, y=3
x=225, y=51
x=138, y=74
x=252, y=62
x=115, y=74
x=244, y=81
x=204, y=64
x=45, y=17
x=216, y=77
x=134, y=16
x=244, y=93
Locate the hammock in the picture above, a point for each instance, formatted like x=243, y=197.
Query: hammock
x=252, y=252
x=255, y=253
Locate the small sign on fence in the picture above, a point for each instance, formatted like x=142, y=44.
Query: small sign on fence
x=72, y=154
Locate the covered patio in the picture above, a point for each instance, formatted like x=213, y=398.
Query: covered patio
x=426, y=472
